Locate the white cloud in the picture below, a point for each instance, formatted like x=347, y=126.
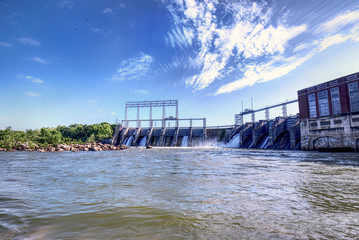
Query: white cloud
x=301, y=47
x=5, y=44
x=332, y=40
x=181, y=37
x=32, y=94
x=122, y=5
x=108, y=11
x=35, y=80
x=249, y=36
x=142, y=91
x=66, y=4
x=113, y=113
x=340, y=20
x=263, y=73
x=29, y=42
x=134, y=68
x=248, y=40
x=39, y=60
x=97, y=30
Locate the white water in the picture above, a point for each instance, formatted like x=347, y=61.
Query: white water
x=142, y=142
x=265, y=143
x=128, y=141
x=184, y=141
x=234, y=142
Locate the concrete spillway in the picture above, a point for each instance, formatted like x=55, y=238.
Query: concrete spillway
x=280, y=133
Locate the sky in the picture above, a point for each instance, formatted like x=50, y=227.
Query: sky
x=78, y=61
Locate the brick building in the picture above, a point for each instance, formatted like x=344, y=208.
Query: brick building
x=329, y=114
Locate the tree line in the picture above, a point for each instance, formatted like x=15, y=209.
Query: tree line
x=75, y=133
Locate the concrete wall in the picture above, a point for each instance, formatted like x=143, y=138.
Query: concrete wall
x=335, y=132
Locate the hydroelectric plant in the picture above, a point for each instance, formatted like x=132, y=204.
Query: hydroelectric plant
x=328, y=120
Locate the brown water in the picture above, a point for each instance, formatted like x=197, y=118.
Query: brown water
x=179, y=193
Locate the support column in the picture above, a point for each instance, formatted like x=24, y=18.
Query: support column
x=177, y=116
x=138, y=118
x=284, y=110
x=126, y=122
x=253, y=117
x=151, y=121
x=163, y=116
x=267, y=114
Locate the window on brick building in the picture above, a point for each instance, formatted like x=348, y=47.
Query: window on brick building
x=323, y=103
x=354, y=96
x=312, y=105
x=334, y=93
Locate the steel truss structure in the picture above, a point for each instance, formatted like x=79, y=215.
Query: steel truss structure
x=151, y=104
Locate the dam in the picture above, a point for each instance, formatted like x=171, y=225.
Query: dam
x=279, y=133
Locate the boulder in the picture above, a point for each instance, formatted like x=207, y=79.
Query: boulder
x=66, y=147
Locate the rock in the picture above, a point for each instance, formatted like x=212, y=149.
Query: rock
x=94, y=148
x=11, y=150
x=2, y=149
x=59, y=150
x=86, y=149
x=148, y=147
x=66, y=147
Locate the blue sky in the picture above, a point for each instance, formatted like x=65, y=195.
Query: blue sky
x=74, y=61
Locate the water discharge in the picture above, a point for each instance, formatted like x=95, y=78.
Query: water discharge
x=128, y=141
x=234, y=142
x=179, y=193
x=142, y=142
x=184, y=141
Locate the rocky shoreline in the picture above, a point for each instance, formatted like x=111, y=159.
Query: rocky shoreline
x=63, y=148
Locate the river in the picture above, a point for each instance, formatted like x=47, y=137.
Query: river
x=179, y=193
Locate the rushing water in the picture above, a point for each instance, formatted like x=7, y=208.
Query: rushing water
x=179, y=193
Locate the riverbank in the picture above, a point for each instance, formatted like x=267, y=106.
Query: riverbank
x=63, y=147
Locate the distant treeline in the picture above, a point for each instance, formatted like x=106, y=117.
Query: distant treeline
x=75, y=133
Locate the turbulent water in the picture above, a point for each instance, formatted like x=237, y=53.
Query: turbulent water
x=179, y=193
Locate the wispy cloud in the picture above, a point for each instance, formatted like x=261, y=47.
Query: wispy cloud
x=66, y=4
x=39, y=60
x=250, y=35
x=29, y=42
x=112, y=113
x=134, y=68
x=343, y=19
x=5, y=44
x=248, y=40
x=97, y=30
x=142, y=91
x=31, y=94
x=108, y=11
x=35, y=80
